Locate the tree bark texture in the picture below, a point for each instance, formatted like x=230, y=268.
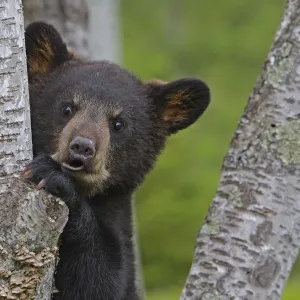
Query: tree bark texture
x=69, y=17
x=30, y=221
x=251, y=236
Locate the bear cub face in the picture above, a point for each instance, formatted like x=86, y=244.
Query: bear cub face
x=103, y=125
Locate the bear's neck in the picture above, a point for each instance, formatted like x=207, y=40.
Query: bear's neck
x=116, y=209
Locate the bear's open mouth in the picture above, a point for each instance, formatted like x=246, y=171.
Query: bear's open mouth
x=74, y=165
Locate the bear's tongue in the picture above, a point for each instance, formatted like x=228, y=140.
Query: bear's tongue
x=74, y=165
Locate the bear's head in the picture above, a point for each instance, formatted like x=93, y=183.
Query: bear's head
x=103, y=125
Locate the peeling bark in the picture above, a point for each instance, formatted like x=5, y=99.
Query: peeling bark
x=251, y=236
x=69, y=17
x=31, y=221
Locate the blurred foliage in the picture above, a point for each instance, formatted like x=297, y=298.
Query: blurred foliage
x=225, y=44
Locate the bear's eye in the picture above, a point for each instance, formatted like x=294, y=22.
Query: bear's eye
x=67, y=110
x=118, y=125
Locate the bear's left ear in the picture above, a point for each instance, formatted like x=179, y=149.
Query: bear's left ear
x=45, y=50
x=179, y=103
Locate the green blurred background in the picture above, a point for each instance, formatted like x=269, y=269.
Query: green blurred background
x=225, y=44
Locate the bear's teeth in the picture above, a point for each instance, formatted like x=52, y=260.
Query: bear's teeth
x=74, y=165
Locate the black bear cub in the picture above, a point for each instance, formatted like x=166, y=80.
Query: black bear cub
x=97, y=131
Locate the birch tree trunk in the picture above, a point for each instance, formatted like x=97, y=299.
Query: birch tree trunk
x=69, y=17
x=30, y=221
x=251, y=236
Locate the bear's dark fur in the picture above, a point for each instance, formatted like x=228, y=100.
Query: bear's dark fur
x=97, y=131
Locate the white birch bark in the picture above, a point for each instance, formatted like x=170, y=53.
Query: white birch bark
x=251, y=236
x=30, y=221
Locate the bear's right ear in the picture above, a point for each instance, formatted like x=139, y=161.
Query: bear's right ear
x=45, y=50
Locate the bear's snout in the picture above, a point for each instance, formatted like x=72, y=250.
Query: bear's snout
x=81, y=153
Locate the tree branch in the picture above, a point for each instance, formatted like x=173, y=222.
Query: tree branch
x=31, y=223
x=251, y=236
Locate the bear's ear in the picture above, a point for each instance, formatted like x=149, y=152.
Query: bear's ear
x=179, y=103
x=45, y=50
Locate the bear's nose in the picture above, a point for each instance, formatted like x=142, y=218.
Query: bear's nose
x=81, y=147
x=81, y=153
